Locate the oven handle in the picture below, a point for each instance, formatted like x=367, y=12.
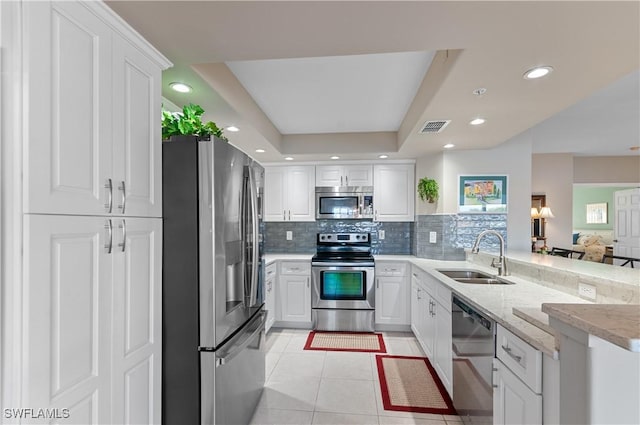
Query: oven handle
x=342, y=264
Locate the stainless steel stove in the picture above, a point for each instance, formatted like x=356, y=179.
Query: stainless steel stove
x=343, y=292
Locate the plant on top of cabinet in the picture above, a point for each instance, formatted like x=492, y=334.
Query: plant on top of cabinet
x=428, y=189
x=188, y=123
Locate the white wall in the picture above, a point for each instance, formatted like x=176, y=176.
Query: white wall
x=553, y=176
x=512, y=158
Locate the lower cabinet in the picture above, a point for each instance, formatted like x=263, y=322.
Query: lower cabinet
x=392, y=294
x=513, y=401
x=93, y=317
x=517, y=381
x=270, y=295
x=431, y=322
x=294, y=292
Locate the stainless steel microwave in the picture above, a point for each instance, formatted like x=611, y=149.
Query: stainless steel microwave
x=344, y=202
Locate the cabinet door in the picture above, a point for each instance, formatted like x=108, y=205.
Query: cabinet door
x=269, y=295
x=427, y=325
x=358, y=175
x=67, y=71
x=393, y=192
x=300, y=192
x=295, y=298
x=391, y=300
x=329, y=175
x=137, y=160
x=67, y=305
x=416, y=293
x=137, y=321
x=275, y=194
x=442, y=348
x=513, y=401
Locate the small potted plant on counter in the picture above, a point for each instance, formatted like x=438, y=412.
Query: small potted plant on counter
x=428, y=189
x=188, y=125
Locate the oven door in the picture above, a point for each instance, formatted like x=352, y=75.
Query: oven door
x=342, y=286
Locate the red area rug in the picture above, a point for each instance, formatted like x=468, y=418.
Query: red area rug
x=346, y=341
x=409, y=384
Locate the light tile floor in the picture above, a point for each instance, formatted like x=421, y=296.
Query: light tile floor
x=329, y=387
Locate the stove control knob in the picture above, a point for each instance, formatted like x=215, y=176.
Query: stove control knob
x=328, y=236
x=321, y=238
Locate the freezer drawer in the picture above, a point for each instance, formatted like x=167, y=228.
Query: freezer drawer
x=233, y=376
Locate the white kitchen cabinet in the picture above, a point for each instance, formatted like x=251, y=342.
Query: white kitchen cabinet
x=394, y=192
x=432, y=323
x=137, y=321
x=392, y=294
x=289, y=193
x=513, y=401
x=270, y=295
x=344, y=175
x=93, y=114
x=93, y=317
x=294, y=291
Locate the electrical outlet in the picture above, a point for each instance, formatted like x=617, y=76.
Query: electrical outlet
x=289, y=235
x=432, y=237
x=380, y=234
x=587, y=291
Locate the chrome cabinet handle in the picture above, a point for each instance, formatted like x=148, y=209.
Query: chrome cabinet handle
x=123, y=244
x=289, y=215
x=109, y=187
x=124, y=197
x=340, y=180
x=109, y=228
x=418, y=293
x=378, y=283
x=375, y=215
x=308, y=285
x=346, y=179
x=510, y=353
x=284, y=215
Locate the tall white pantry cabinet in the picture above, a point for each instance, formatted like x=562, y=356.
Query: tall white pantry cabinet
x=92, y=215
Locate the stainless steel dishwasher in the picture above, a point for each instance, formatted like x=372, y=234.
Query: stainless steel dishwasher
x=473, y=343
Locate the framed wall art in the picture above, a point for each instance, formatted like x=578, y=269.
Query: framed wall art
x=597, y=213
x=482, y=194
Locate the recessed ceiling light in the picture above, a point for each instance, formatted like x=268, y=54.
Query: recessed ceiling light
x=477, y=121
x=480, y=91
x=260, y=150
x=288, y=158
x=448, y=146
x=383, y=156
x=233, y=128
x=181, y=87
x=537, y=72
x=335, y=157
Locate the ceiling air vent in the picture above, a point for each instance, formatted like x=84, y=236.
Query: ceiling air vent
x=434, y=126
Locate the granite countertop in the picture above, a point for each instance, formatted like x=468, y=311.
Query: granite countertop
x=515, y=307
x=616, y=323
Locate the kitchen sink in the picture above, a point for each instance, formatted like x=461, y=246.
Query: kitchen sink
x=474, y=277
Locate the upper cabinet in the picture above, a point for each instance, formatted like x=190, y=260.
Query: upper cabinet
x=289, y=193
x=393, y=192
x=93, y=114
x=344, y=175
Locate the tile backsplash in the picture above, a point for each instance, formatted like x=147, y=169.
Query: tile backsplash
x=398, y=235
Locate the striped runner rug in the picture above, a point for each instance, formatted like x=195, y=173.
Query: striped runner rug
x=409, y=384
x=346, y=341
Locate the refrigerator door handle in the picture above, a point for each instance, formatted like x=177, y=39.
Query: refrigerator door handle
x=253, y=290
x=237, y=344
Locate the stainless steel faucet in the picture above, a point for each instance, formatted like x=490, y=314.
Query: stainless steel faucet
x=501, y=264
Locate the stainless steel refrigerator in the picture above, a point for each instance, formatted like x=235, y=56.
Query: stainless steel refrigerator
x=213, y=363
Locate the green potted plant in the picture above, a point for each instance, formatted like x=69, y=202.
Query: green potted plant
x=188, y=125
x=428, y=189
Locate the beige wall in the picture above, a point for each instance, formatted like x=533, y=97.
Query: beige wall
x=552, y=175
x=606, y=169
x=430, y=166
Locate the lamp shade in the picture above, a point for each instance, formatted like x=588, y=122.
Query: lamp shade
x=545, y=212
x=534, y=213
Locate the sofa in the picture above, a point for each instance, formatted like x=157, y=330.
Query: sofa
x=592, y=242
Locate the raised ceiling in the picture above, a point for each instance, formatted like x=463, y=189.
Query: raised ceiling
x=220, y=49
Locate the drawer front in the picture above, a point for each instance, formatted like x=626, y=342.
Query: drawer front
x=521, y=358
x=391, y=269
x=295, y=267
x=270, y=271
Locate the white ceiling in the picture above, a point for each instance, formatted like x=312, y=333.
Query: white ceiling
x=337, y=94
x=250, y=61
